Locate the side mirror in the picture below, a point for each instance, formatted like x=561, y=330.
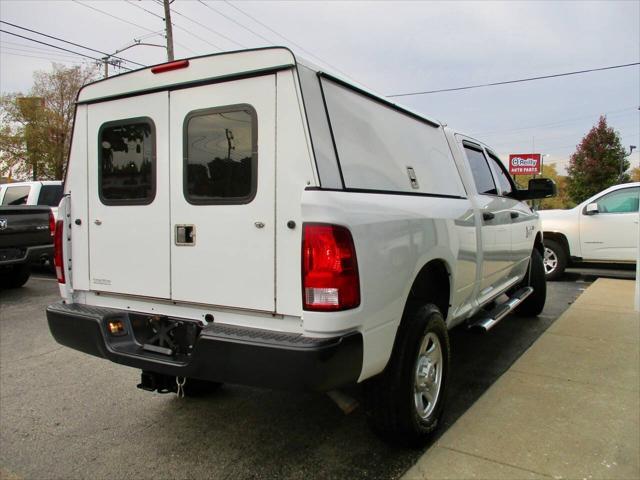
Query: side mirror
x=538, y=188
x=591, y=209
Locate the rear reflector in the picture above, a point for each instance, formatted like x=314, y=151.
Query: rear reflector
x=52, y=223
x=57, y=251
x=167, y=67
x=330, y=279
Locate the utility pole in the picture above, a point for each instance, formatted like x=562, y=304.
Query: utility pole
x=168, y=29
x=105, y=60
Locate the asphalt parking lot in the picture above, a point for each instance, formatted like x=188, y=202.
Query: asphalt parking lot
x=64, y=414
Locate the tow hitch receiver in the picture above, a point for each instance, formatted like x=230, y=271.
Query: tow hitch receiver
x=156, y=382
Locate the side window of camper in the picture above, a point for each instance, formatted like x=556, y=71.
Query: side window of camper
x=220, y=156
x=127, y=162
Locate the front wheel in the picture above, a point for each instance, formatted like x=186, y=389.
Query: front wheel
x=555, y=259
x=405, y=402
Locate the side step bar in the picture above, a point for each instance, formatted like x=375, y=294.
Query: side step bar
x=485, y=321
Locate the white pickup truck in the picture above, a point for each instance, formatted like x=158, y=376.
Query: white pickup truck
x=245, y=218
x=602, y=229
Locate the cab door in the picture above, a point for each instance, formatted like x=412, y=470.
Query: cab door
x=523, y=219
x=612, y=232
x=495, y=221
x=223, y=194
x=128, y=168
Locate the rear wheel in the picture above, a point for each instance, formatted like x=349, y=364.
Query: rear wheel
x=555, y=259
x=406, y=401
x=15, y=276
x=535, y=277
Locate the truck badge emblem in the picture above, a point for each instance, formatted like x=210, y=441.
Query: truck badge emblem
x=529, y=231
x=3, y=223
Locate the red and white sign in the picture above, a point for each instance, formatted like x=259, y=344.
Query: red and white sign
x=525, y=163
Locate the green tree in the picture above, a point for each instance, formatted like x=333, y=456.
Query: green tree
x=35, y=131
x=595, y=165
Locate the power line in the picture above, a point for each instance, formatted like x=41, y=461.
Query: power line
x=142, y=8
x=530, y=79
x=113, y=16
x=49, y=45
x=236, y=22
x=554, y=124
x=189, y=32
x=29, y=49
x=55, y=46
x=210, y=29
x=51, y=59
x=70, y=43
x=284, y=38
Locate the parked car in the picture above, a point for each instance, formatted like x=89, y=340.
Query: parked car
x=46, y=192
x=603, y=229
x=244, y=218
x=26, y=237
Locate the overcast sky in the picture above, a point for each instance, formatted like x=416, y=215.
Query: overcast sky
x=391, y=47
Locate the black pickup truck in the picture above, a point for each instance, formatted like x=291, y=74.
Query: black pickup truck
x=26, y=237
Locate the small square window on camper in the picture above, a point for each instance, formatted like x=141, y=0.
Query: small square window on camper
x=220, y=155
x=127, y=162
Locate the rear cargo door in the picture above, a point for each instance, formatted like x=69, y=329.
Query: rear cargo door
x=223, y=193
x=128, y=166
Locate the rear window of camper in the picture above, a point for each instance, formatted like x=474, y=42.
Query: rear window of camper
x=220, y=156
x=127, y=162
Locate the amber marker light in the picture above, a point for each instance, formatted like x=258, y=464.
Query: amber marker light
x=116, y=328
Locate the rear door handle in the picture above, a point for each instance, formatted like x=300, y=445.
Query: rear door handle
x=488, y=216
x=514, y=214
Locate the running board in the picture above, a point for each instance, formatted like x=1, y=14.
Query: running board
x=485, y=321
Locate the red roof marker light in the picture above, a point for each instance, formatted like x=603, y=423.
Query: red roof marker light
x=167, y=67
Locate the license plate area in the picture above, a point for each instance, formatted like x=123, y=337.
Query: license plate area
x=163, y=335
x=156, y=337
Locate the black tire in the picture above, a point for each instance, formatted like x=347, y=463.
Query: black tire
x=390, y=397
x=535, y=277
x=200, y=388
x=15, y=276
x=557, y=252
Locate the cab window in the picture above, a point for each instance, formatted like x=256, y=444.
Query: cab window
x=16, y=195
x=480, y=170
x=506, y=187
x=621, y=201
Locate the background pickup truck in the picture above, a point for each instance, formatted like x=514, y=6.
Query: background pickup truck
x=26, y=236
x=602, y=229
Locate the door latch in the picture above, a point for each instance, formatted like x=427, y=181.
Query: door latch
x=186, y=235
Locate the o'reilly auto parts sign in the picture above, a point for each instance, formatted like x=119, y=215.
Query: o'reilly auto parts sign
x=524, y=163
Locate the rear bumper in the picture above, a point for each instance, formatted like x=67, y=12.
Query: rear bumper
x=221, y=353
x=15, y=256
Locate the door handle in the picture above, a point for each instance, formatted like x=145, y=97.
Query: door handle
x=186, y=235
x=488, y=216
x=514, y=214
x=97, y=222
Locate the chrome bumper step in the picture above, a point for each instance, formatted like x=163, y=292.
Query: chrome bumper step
x=485, y=321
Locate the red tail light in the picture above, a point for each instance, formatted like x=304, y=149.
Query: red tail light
x=167, y=67
x=52, y=223
x=330, y=278
x=57, y=251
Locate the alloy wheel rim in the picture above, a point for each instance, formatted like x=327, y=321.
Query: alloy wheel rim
x=550, y=260
x=428, y=375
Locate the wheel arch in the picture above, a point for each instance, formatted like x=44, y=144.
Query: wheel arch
x=559, y=238
x=432, y=284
